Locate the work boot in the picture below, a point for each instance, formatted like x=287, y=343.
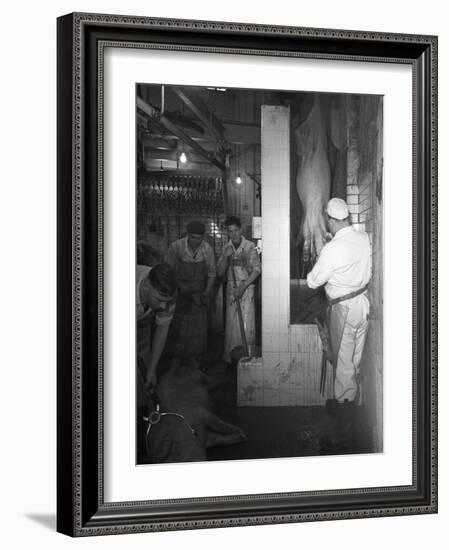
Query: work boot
x=340, y=430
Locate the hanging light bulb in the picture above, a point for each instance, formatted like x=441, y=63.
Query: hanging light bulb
x=161, y=168
x=238, y=179
x=183, y=158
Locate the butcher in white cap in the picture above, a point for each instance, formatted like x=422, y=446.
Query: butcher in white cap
x=344, y=267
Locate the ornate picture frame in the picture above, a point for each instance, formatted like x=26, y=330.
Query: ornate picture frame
x=82, y=509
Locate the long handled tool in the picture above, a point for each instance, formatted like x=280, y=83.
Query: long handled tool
x=327, y=352
x=240, y=316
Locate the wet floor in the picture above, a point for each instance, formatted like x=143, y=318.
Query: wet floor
x=271, y=432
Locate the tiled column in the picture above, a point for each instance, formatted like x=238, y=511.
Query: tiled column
x=289, y=371
x=275, y=159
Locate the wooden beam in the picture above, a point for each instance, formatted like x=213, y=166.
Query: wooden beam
x=159, y=143
x=242, y=133
x=199, y=108
x=238, y=134
x=254, y=178
x=171, y=127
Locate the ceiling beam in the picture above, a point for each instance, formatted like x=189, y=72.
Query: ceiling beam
x=200, y=109
x=241, y=134
x=237, y=135
x=171, y=127
x=159, y=154
x=159, y=143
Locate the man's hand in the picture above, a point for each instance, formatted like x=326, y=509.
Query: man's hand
x=239, y=291
x=151, y=381
x=205, y=297
x=228, y=252
x=196, y=299
x=183, y=289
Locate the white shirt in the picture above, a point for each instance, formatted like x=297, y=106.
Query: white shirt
x=344, y=263
x=161, y=317
x=245, y=259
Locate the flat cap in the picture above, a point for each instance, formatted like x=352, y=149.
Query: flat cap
x=196, y=227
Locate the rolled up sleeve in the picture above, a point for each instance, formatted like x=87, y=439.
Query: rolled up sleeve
x=253, y=260
x=322, y=270
x=165, y=317
x=171, y=255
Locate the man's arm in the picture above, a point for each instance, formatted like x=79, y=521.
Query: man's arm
x=157, y=347
x=209, y=285
x=240, y=290
x=222, y=263
x=322, y=270
x=254, y=265
x=171, y=255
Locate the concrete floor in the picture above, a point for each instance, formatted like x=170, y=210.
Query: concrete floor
x=272, y=432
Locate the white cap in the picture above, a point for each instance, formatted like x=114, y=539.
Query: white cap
x=338, y=209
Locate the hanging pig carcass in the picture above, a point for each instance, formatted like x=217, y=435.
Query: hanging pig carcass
x=313, y=178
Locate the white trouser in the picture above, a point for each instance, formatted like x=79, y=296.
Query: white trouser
x=351, y=348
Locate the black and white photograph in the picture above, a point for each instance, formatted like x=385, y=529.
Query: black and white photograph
x=259, y=273
x=222, y=290
x=247, y=275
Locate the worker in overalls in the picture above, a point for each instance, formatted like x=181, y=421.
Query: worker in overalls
x=240, y=261
x=344, y=267
x=193, y=260
x=155, y=306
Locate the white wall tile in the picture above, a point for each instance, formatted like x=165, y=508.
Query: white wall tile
x=271, y=342
x=284, y=288
x=271, y=195
x=270, y=160
x=272, y=305
x=270, y=268
x=270, y=323
x=270, y=287
x=270, y=178
x=271, y=361
x=270, y=231
x=270, y=251
x=271, y=115
x=284, y=343
x=284, y=123
x=271, y=140
x=271, y=210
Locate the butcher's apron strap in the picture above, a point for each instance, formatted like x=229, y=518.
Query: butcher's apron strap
x=347, y=296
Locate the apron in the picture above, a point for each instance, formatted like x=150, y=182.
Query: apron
x=336, y=321
x=188, y=330
x=233, y=336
